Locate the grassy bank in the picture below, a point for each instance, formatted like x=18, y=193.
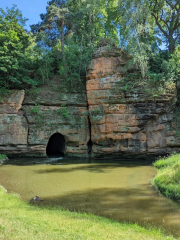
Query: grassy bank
x=167, y=179
x=19, y=220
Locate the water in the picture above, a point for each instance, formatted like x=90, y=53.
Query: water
x=118, y=190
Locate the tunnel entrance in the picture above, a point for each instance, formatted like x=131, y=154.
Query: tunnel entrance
x=56, y=146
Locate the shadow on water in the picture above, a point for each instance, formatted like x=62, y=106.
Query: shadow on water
x=135, y=205
x=96, y=168
x=92, y=165
x=128, y=163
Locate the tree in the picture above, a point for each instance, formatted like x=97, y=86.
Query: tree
x=136, y=33
x=166, y=14
x=14, y=44
x=56, y=18
x=55, y=23
x=94, y=20
x=157, y=18
x=145, y=24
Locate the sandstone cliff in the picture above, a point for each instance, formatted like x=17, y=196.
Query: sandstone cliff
x=129, y=117
x=13, y=125
x=28, y=123
x=119, y=114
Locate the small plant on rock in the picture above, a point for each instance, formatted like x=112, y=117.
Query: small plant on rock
x=64, y=112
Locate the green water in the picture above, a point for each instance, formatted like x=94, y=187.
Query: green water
x=118, y=190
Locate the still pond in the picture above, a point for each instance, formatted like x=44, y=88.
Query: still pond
x=119, y=190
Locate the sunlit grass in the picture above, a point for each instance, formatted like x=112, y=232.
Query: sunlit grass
x=19, y=221
x=167, y=179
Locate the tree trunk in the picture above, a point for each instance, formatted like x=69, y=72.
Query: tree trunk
x=62, y=43
x=171, y=47
x=171, y=42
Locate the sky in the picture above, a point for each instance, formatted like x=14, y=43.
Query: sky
x=30, y=9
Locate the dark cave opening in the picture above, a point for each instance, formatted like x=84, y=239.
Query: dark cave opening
x=56, y=146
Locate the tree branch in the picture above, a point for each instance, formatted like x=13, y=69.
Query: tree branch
x=159, y=25
x=173, y=6
x=165, y=22
x=177, y=22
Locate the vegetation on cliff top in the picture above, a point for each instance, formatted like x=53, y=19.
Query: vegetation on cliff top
x=167, y=179
x=63, y=42
x=19, y=220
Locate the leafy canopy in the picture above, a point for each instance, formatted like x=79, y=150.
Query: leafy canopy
x=63, y=41
x=14, y=46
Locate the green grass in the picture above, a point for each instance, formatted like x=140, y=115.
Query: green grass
x=167, y=179
x=2, y=156
x=20, y=220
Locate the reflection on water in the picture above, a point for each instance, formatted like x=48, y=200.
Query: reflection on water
x=118, y=190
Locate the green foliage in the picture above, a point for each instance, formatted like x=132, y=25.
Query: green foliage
x=156, y=61
x=33, y=92
x=2, y=156
x=3, y=93
x=64, y=112
x=94, y=20
x=14, y=44
x=23, y=63
x=145, y=26
x=135, y=32
x=166, y=16
x=166, y=161
x=45, y=68
x=63, y=42
x=77, y=59
x=39, y=119
x=164, y=66
x=97, y=111
x=71, y=31
x=38, y=115
x=167, y=179
x=152, y=85
x=175, y=63
x=35, y=109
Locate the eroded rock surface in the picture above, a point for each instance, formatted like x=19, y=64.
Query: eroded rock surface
x=26, y=128
x=117, y=116
x=128, y=117
x=13, y=124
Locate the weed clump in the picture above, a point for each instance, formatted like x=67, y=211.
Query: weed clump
x=167, y=180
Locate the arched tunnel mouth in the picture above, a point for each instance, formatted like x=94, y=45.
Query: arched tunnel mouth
x=56, y=146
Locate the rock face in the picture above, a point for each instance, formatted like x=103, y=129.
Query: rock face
x=129, y=117
x=26, y=130
x=119, y=115
x=14, y=127
x=67, y=117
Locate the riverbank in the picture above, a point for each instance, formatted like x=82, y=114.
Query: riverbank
x=167, y=180
x=20, y=220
